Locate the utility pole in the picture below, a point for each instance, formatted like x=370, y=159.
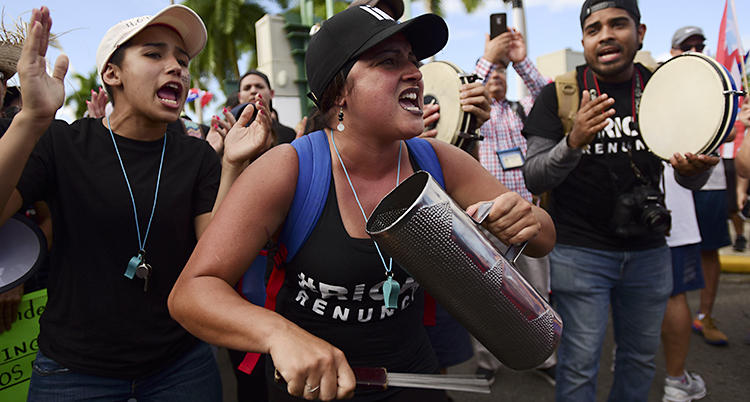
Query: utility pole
x=519, y=23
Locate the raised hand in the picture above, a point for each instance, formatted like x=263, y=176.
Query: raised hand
x=517, y=48
x=216, y=134
x=97, y=106
x=496, y=49
x=42, y=94
x=242, y=144
x=590, y=119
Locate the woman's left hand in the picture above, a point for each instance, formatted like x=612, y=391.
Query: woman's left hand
x=511, y=218
x=242, y=144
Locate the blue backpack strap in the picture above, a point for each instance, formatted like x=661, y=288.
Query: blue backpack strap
x=426, y=158
x=313, y=182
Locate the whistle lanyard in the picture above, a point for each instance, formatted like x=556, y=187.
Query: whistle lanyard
x=141, y=243
x=391, y=287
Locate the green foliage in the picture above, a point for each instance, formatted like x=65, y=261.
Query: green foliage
x=84, y=86
x=436, y=6
x=231, y=35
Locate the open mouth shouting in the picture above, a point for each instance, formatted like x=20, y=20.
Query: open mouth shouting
x=609, y=54
x=170, y=94
x=409, y=101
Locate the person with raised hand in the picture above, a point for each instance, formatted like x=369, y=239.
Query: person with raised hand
x=128, y=199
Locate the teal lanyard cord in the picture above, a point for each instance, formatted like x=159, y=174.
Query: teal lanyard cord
x=141, y=244
x=389, y=266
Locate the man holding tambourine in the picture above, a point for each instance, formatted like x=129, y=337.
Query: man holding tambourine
x=607, y=207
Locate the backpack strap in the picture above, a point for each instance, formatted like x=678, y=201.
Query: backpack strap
x=313, y=182
x=426, y=158
x=568, y=99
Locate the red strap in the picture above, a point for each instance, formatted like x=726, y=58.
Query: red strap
x=276, y=279
x=429, y=310
x=248, y=364
x=272, y=289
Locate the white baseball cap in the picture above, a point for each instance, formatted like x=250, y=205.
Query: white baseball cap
x=182, y=19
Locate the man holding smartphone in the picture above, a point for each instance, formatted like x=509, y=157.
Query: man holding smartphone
x=503, y=150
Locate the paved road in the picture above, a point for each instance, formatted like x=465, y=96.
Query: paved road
x=726, y=370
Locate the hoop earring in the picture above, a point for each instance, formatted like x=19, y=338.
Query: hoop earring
x=341, y=127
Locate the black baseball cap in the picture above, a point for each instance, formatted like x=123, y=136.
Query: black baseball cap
x=348, y=34
x=592, y=6
x=396, y=5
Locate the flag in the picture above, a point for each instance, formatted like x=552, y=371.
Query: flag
x=730, y=54
x=205, y=98
x=196, y=93
x=193, y=94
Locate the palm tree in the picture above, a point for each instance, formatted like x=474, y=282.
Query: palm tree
x=83, y=92
x=436, y=6
x=231, y=34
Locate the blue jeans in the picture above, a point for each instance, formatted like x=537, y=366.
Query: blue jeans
x=585, y=284
x=194, y=377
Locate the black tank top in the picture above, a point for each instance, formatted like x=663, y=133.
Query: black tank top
x=332, y=289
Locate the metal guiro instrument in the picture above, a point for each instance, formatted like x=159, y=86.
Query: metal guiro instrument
x=440, y=246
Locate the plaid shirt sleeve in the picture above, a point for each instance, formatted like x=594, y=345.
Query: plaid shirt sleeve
x=533, y=79
x=483, y=69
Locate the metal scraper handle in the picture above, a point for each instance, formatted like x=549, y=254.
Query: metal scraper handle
x=514, y=250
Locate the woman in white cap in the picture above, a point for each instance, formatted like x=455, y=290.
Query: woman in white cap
x=128, y=202
x=329, y=305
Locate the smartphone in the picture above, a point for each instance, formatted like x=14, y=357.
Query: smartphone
x=498, y=24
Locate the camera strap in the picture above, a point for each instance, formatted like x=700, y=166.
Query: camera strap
x=635, y=95
x=592, y=86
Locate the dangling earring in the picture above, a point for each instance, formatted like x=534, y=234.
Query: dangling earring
x=341, y=127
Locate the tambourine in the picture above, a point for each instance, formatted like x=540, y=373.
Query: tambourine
x=688, y=105
x=442, y=83
x=23, y=248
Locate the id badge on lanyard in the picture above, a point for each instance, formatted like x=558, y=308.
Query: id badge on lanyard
x=511, y=158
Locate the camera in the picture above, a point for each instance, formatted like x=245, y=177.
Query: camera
x=640, y=212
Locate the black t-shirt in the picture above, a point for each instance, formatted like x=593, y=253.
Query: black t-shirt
x=583, y=204
x=97, y=321
x=284, y=134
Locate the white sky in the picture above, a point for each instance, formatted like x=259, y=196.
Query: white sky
x=551, y=25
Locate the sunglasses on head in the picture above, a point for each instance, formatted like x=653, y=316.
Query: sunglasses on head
x=687, y=47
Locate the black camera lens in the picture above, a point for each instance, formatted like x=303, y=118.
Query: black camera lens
x=657, y=219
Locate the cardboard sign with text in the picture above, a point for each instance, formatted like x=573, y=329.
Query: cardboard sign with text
x=18, y=348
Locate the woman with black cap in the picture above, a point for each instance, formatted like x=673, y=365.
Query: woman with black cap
x=329, y=306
